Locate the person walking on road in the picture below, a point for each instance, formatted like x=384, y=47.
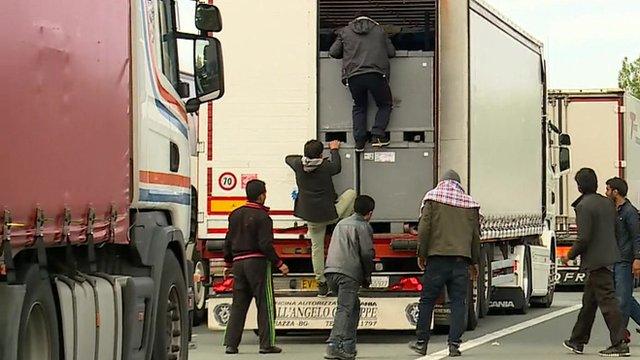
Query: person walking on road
x=317, y=202
x=349, y=266
x=249, y=255
x=365, y=49
x=628, y=232
x=448, y=253
x=598, y=250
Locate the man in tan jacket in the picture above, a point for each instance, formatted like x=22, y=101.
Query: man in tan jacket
x=448, y=251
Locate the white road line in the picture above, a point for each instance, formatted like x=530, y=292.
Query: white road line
x=502, y=333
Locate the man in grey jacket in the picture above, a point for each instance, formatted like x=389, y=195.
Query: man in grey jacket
x=365, y=50
x=349, y=266
x=598, y=250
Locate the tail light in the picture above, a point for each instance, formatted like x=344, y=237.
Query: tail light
x=224, y=286
x=407, y=284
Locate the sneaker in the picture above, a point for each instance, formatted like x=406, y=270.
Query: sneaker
x=419, y=347
x=573, y=346
x=271, y=350
x=454, y=350
x=323, y=289
x=619, y=350
x=379, y=141
x=360, y=145
x=231, y=350
x=335, y=352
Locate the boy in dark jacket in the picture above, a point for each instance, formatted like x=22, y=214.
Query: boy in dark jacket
x=317, y=202
x=349, y=265
x=249, y=255
x=598, y=250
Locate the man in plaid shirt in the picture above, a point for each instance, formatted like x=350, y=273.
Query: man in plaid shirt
x=448, y=253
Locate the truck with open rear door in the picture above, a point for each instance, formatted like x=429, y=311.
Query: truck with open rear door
x=469, y=92
x=603, y=125
x=95, y=189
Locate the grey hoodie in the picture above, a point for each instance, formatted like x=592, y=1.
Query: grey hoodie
x=364, y=47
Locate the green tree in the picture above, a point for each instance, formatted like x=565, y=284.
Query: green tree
x=629, y=76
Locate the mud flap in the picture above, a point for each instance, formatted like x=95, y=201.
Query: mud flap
x=504, y=298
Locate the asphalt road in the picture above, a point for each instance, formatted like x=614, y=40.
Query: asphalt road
x=536, y=335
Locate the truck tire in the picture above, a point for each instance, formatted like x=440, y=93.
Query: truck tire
x=38, y=335
x=172, y=316
x=200, y=289
x=484, y=291
x=527, y=286
x=473, y=306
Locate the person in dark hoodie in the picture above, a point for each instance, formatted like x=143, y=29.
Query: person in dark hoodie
x=365, y=49
x=598, y=250
x=317, y=202
x=349, y=266
x=249, y=255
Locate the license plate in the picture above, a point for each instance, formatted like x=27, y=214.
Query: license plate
x=309, y=284
x=379, y=282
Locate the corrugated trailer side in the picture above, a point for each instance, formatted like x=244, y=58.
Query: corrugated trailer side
x=631, y=143
x=66, y=122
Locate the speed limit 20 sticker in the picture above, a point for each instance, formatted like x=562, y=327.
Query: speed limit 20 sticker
x=227, y=181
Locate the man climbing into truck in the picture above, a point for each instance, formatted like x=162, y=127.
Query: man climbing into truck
x=365, y=49
x=317, y=202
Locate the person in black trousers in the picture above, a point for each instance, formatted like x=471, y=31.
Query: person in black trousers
x=365, y=49
x=598, y=249
x=249, y=255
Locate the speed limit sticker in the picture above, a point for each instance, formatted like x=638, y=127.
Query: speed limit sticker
x=227, y=181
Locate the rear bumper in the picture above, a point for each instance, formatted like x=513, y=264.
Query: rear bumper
x=397, y=311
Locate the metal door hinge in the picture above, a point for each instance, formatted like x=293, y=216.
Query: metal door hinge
x=200, y=147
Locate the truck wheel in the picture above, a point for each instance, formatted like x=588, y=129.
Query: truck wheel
x=38, y=334
x=473, y=306
x=200, y=288
x=527, y=286
x=484, y=291
x=172, y=321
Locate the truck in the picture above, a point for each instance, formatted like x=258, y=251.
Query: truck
x=603, y=124
x=95, y=192
x=469, y=90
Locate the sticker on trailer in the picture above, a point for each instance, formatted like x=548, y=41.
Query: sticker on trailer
x=227, y=181
x=385, y=157
x=317, y=313
x=245, y=178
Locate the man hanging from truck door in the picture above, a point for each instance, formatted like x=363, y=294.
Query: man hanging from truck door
x=249, y=255
x=317, y=202
x=448, y=253
x=598, y=250
x=365, y=49
x=628, y=233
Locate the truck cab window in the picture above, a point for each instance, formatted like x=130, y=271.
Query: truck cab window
x=168, y=43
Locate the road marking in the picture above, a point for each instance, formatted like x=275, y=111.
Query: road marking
x=502, y=333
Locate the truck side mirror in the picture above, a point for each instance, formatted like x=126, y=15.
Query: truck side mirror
x=208, y=18
x=564, y=140
x=564, y=160
x=208, y=69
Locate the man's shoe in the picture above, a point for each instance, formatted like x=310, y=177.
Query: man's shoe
x=360, y=145
x=323, y=289
x=271, y=350
x=231, y=350
x=619, y=350
x=419, y=347
x=379, y=141
x=454, y=350
x=573, y=346
x=335, y=352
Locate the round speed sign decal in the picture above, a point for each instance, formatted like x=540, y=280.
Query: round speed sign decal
x=227, y=181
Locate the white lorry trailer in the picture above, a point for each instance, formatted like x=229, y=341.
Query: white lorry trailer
x=469, y=94
x=603, y=124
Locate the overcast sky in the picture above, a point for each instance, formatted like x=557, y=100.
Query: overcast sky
x=585, y=40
